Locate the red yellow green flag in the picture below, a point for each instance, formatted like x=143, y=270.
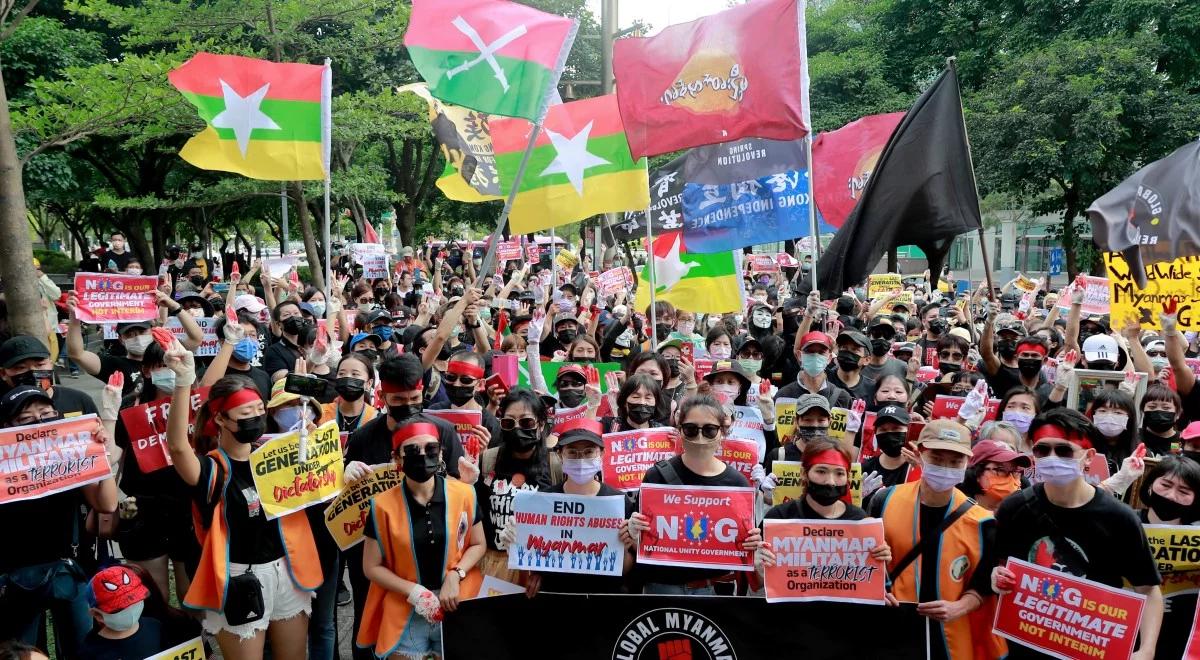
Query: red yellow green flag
x=266, y=120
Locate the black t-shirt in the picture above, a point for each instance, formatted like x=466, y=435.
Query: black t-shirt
x=571, y=583
x=800, y=510
x=147, y=641
x=161, y=491
x=73, y=403
x=791, y=453
x=862, y=390
x=280, y=356
x=372, y=442
x=496, y=490
x=111, y=364
x=890, y=367
x=252, y=538
x=51, y=521
x=1007, y=378
x=890, y=477
x=262, y=379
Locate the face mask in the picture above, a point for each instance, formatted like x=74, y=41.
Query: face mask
x=826, y=494
x=565, y=337
x=639, y=413
x=814, y=364
x=581, y=470
x=751, y=366
x=1165, y=508
x=661, y=331
x=761, y=319
x=384, y=332
x=456, y=291
x=138, y=345
x=726, y=394
x=949, y=368
x=371, y=354
x=720, y=352
x=685, y=327
x=460, y=394
x=571, y=398
x=246, y=350
x=1018, y=419
x=673, y=366
x=250, y=429
x=125, y=619
x=196, y=312
x=806, y=433
x=1159, y=421
x=404, y=411
x=421, y=467
x=1000, y=488
x=350, y=389
x=1058, y=471
x=1102, y=365
x=163, y=379
x=937, y=326
x=197, y=280
x=1111, y=424
x=318, y=309
x=1029, y=367
x=294, y=326
x=891, y=443
x=1007, y=348
x=848, y=360
x=290, y=418
x=879, y=347
x=942, y=479
x=520, y=439
x=365, y=307
x=41, y=379
x=1159, y=363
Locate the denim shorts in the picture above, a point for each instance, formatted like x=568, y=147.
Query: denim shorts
x=420, y=638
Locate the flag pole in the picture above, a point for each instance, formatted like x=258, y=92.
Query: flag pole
x=553, y=259
x=653, y=279
x=812, y=212
x=951, y=62
x=489, y=258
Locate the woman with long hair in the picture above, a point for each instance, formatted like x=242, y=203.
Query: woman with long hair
x=641, y=404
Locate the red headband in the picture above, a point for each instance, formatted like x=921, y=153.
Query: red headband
x=393, y=388
x=1053, y=432
x=464, y=368
x=227, y=403
x=411, y=431
x=827, y=457
x=1031, y=346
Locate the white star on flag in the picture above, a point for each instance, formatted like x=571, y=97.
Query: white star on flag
x=573, y=158
x=670, y=269
x=242, y=114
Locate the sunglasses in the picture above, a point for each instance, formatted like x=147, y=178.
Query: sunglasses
x=710, y=431
x=456, y=379
x=365, y=301
x=432, y=449
x=525, y=423
x=1060, y=449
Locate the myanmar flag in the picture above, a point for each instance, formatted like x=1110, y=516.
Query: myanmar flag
x=702, y=283
x=493, y=56
x=580, y=165
x=265, y=120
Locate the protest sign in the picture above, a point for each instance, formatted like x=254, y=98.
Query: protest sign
x=881, y=284
x=1096, y=295
x=1167, y=282
x=374, y=265
x=838, y=420
x=704, y=367
x=208, y=326
x=763, y=263
x=902, y=298
x=566, y=259
x=869, y=448
x=279, y=266
x=628, y=454
x=1026, y=285
x=43, y=459
x=946, y=407
x=494, y=586
x=107, y=297
x=568, y=415
x=508, y=251
x=285, y=484
x=612, y=281
x=741, y=455
x=346, y=515
x=747, y=424
x=561, y=533
x=666, y=205
x=826, y=560
x=786, y=260
x=791, y=480
x=1176, y=550
x=1068, y=617
x=146, y=426
x=785, y=418
x=192, y=649
x=854, y=480
x=464, y=422
x=697, y=526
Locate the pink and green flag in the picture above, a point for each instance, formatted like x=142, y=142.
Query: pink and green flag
x=493, y=56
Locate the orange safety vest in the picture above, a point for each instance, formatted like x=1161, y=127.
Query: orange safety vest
x=959, y=552
x=207, y=591
x=387, y=613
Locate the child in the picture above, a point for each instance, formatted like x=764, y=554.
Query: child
x=123, y=633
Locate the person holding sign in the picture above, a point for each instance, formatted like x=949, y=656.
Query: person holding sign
x=425, y=542
x=932, y=522
x=1066, y=524
x=255, y=575
x=355, y=377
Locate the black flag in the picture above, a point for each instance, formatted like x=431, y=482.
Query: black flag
x=666, y=205
x=1154, y=215
x=922, y=192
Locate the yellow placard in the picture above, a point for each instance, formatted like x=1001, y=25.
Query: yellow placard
x=189, y=650
x=839, y=418
x=791, y=480
x=346, y=515
x=285, y=484
x=785, y=419
x=905, y=297
x=856, y=484
x=881, y=284
x=1025, y=284
x=1176, y=551
x=567, y=259
x=1167, y=282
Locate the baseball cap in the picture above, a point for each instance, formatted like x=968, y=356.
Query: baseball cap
x=959, y=331
x=570, y=368
x=122, y=327
x=855, y=337
x=895, y=413
x=884, y=323
x=998, y=452
x=406, y=251
x=673, y=341
x=19, y=397
x=945, y=434
x=360, y=336
x=21, y=347
x=249, y=303
x=905, y=346
x=808, y=402
x=744, y=341
x=378, y=315
x=564, y=317
x=117, y=588
x=1191, y=431
x=817, y=337
x=581, y=430
x=306, y=307
x=1011, y=325
x=1100, y=347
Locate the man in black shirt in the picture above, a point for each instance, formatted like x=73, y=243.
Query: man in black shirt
x=280, y=357
x=852, y=350
x=24, y=360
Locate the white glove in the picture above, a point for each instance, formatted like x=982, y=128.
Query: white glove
x=356, y=471
x=975, y=406
x=334, y=305
x=871, y=482
x=233, y=333
x=426, y=603
x=183, y=363
x=468, y=471
x=766, y=407
x=1131, y=468
x=333, y=356
x=769, y=483
x=508, y=535
x=110, y=403
x=535, y=327
x=757, y=474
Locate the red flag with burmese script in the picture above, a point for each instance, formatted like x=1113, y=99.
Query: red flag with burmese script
x=738, y=73
x=843, y=161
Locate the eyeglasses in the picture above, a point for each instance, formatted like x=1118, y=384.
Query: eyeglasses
x=25, y=420
x=1060, y=449
x=586, y=452
x=431, y=449
x=710, y=431
x=366, y=300
x=525, y=423
x=458, y=379
x=1003, y=471
x=950, y=355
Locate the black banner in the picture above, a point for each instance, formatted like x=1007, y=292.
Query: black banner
x=666, y=205
x=620, y=627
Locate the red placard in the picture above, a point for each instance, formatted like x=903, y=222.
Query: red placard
x=931, y=357
x=43, y=459
x=697, y=526
x=704, y=367
x=464, y=422
x=146, y=426
x=506, y=366
x=946, y=407
x=567, y=415
x=741, y=455
x=763, y=263
x=868, y=448
x=109, y=298
x=825, y=560
x=628, y=454
x=1068, y=617
x=508, y=251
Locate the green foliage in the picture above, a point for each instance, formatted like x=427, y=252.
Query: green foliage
x=55, y=262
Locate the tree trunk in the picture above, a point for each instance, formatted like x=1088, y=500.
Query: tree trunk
x=21, y=294
x=315, y=268
x=406, y=222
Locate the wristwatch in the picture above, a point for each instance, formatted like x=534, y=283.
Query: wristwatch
x=462, y=575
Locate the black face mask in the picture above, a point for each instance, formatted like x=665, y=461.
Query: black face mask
x=848, y=360
x=1029, y=367
x=938, y=326
x=1165, y=508
x=460, y=394
x=350, y=389
x=1007, y=348
x=420, y=467
x=826, y=494
x=38, y=378
x=520, y=439
x=806, y=433
x=295, y=326
x=404, y=411
x=371, y=354
x=661, y=331
x=565, y=337
x=571, y=398
x=1102, y=365
x=1159, y=421
x=674, y=367
x=250, y=429
x=791, y=324
x=197, y=280
x=380, y=294
x=879, y=347
x=639, y=413
x=949, y=367
x=891, y=443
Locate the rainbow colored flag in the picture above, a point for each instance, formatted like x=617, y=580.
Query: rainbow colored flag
x=266, y=120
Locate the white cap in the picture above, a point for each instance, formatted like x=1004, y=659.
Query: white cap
x=249, y=303
x=1100, y=347
x=620, y=311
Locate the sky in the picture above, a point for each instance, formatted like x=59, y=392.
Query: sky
x=661, y=13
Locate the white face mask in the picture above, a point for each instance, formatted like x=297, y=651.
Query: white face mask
x=138, y=345
x=942, y=479
x=163, y=379
x=581, y=470
x=761, y=318
x=134, y=270
x=1111, y=424
x=720, y=352
x=318, y=309
x=685, y=327
x=196, y=312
